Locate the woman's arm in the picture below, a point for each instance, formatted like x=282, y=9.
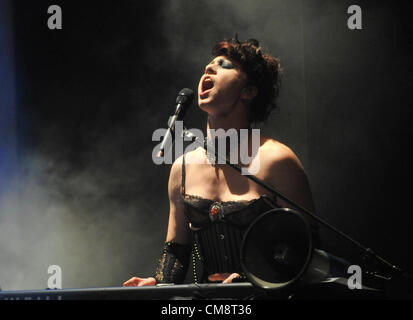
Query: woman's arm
x=172, y=264
x=178, y=228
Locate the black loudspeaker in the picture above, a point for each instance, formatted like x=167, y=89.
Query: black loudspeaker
x=278, y=251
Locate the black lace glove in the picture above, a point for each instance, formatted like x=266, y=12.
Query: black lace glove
x=173, y=264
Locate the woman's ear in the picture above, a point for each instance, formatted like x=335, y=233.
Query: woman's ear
x=249, y=93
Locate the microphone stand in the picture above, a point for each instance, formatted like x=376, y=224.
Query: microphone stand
x=394, y=270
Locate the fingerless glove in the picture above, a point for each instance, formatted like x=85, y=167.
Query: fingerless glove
x=173, y=264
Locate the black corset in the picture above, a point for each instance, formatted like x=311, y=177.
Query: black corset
x=219, y=235
x=219, y=227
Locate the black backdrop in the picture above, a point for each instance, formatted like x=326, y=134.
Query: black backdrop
x=89, y=97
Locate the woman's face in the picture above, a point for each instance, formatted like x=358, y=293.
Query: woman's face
x=221, y=86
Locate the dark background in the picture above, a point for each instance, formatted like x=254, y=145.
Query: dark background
x=88, y=97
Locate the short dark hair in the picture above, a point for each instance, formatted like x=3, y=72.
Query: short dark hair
x=263, y=71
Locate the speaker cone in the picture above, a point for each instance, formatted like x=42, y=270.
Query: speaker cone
x=277, y=248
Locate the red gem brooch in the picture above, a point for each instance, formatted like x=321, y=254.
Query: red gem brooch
x=215, y=211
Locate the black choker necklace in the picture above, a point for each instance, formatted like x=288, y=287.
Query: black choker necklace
x=212, y=150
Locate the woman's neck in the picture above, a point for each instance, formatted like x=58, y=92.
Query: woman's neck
x=230, y=134
x=226, y=124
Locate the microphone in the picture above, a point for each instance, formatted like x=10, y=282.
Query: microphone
x=183, y=101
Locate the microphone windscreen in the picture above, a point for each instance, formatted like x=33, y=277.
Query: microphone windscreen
x=185, y=96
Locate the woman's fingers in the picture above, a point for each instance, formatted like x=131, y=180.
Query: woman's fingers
x=132, y=282
x=139, y=282
x=231, y=277
x=224, y=277
x=147, y=282
x=218, y=276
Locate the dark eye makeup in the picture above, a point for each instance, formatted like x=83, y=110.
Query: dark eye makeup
x=226, y=63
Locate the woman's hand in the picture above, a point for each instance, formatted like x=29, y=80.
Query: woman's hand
x=140, y=282
x=224, y=277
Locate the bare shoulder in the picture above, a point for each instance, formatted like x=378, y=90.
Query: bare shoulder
x=193, y=156
x=176, y=168
x=274, y=152
x=282, y=169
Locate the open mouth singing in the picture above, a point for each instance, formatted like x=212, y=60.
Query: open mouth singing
x=206, y=87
